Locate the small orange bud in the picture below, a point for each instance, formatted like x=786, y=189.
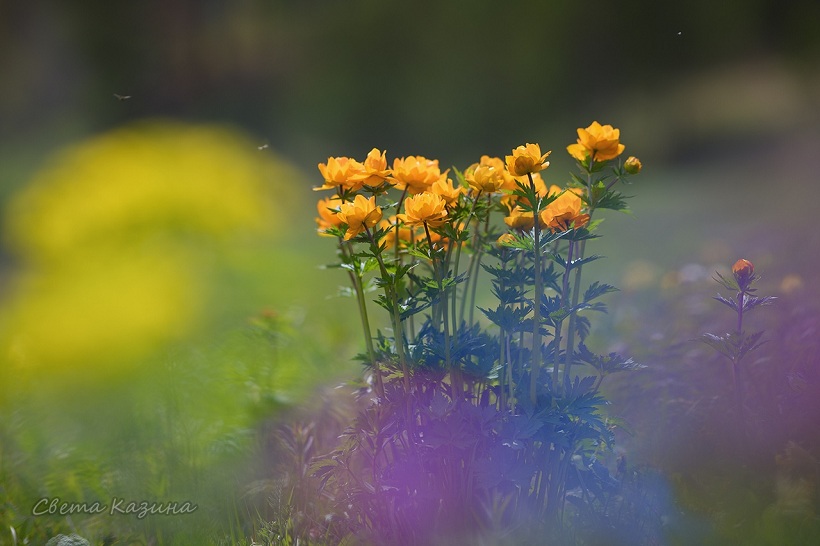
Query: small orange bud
x=633, y=165
x=743, y=267
x=743, y=270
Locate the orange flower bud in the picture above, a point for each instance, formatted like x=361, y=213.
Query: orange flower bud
x=633, y=165
x=743, y=270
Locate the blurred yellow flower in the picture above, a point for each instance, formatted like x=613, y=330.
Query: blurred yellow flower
x=327, y=209
x=527, y=159
x=424, y=208
x=601, y=142
x=122, y=238
x=564, y=213
x=633, y=165
x=360, y=214
x=374, y=170
x=146, y=179
x=342, y=172
x=416, y=174
x=99, y=308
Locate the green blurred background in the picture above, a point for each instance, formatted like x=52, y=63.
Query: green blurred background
x=720, y=101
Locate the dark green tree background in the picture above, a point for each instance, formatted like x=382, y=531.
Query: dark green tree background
x=444, y=79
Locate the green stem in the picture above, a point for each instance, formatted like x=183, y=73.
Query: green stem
x=469, y=267
x=576, y=294
x=358, y=287
x=539, y=289
x=479, y=253
x=576, y=289
x=390, y=293
x=456, y=376
x=565, y=297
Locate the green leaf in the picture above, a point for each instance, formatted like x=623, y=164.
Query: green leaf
x=596, y=290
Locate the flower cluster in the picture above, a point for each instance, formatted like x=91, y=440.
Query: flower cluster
x=431, y=199
x=426, y=234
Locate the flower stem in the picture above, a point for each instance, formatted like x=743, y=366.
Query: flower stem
x=539, y=289
x=358, y=287
x=456, y=376
x=390, y=293
x=565, y=297
x=469, y=267
x=576, y=288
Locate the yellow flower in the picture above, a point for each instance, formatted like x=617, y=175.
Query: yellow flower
x=488, y=175
x=633, y=165
x=360, y=214
x=424, y=208
x=416, y=173
x=527, y=160
x=374, y=170
x=597, y=141
x=564, y=213
x=327, y=209
x=443, y=187
x=520, y=219
x=342, y=171
x=124, y=240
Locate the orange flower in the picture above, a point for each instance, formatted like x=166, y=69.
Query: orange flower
x=327, y=214
x=488, y=175
x=633, y=165
x=564, y=213
x=361, y=214
x=527, y=160
x=601, y=142
x=520, y=219
x=443, y=187
x=415, y=173
x=424, y=208
x=341, y=171
x=743, y=270
x=374, y=170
